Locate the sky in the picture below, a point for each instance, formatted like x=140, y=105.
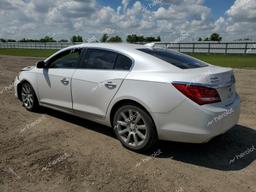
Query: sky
x=173, y=20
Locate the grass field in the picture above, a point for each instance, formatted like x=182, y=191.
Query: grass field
x=236, y=61
x=28, y=52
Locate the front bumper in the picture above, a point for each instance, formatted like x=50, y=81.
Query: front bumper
x=191, y=123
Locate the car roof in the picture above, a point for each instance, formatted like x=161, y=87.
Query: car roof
x=124, y=48
x=114, y=46
x=144, y=61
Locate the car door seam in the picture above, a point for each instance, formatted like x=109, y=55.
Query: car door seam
x=115, y=95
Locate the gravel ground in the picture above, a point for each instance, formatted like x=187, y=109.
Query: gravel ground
x=52, y=151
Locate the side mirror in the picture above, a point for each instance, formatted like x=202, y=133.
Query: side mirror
x=40, y=64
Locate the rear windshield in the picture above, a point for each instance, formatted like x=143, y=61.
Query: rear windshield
x=177, y=59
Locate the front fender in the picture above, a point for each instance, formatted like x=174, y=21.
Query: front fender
x=30, y=77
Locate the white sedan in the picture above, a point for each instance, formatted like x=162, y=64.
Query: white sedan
x=144, y=93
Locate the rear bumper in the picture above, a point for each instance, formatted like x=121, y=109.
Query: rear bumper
x=191, y=123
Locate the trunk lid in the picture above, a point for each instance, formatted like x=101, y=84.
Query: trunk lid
x=220, y=78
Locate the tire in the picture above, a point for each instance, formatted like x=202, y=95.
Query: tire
x=28, y=97
x=134, y=128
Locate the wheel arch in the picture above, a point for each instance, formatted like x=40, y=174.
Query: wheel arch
x=19, y=88
x=123, y=102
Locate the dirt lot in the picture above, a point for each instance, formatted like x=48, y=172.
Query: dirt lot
x=52, y=151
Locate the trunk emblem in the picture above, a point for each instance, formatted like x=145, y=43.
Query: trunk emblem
x=214, y=79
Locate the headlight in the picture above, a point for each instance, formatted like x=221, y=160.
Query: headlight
x=18, y=76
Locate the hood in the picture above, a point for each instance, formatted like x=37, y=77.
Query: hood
x=28, y=68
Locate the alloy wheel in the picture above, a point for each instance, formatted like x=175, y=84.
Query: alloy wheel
x=27, y=96
x=131, y=127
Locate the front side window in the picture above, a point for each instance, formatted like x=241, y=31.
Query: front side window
x=99, y=59
x=66, y=59
x=177, y=59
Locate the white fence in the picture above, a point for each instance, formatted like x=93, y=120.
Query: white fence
x=36, y=45
x=194, y=47
x=212, y=47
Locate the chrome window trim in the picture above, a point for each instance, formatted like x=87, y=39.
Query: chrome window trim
x=108, y=49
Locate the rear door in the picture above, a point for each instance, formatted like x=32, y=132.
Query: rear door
x=95, y=84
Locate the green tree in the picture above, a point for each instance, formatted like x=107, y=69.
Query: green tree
x=141, y=39
x=200, y=39
x=104, y=38
x=47, y=39
x=132, y=38
x=63, y=40
x=149, y=39
x=206, y=39
x=115, y=39
x=29, y=40
x=76, y=38
x=152, y=39
x=215, y=37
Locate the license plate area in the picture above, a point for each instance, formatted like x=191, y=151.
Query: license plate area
x=227, y=93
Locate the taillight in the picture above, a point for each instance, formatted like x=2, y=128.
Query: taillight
x=199, y=94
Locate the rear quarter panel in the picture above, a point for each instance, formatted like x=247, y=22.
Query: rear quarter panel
x=154, y=96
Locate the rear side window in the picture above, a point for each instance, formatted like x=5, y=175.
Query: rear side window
x=177, y=59
x=99, y=59
x=123, y=63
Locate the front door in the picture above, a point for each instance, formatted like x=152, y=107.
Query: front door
x=54, y=81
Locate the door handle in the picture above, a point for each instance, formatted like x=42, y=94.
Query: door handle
x=110, y=85
x=64, y=81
